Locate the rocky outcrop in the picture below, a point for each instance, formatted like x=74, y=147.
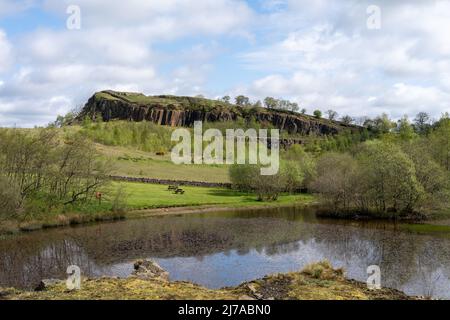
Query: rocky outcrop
x=146, y=270
x=184, y=111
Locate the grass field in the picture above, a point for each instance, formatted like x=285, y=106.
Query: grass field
x=135, y=163
x=144, y=196
x=141, y=196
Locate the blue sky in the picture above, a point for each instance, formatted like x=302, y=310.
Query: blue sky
x=321, y=54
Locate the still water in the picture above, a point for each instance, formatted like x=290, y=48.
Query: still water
x=228, y=248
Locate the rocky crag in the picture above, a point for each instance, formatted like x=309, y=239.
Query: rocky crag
x=183, y=111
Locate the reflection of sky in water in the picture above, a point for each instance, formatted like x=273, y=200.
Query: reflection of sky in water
x=226, y=250
x=221, y=270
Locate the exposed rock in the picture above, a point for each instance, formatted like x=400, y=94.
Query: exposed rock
x=184, y=111
x=147, y=269
x=254, y=291
x=47, y=283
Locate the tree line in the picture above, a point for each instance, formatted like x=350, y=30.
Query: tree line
x=399, y=170
x=41, y=171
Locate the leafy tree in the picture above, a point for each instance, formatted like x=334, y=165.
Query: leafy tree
x=248, y=178
x=380, y=125
x=347, y=120
x=405, y=129
x=305, y=162
x=242, y=101
x=440, y=142
x=332, y=115
x=226, y=99
x=337, y=180
x=422, y=123
x=294, y=107
x=257, y=104
x=391, y=175
x=271, y=103
x=317, y=114
x=433, y=177
x=40, y=167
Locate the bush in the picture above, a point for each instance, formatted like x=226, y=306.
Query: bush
x=119, y=203
x=9, y=199
x=338, y=180
x=391, y=175
x=41, y=171
x=318, y=114
x=248, y=178
x=381, y=179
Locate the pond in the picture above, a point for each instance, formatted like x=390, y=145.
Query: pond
x=227, y=248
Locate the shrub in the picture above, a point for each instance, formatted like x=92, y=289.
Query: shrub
x=9, y=199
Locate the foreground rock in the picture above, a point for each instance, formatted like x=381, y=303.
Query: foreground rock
x=47, y=283
x=147, y=270
x=316, y=282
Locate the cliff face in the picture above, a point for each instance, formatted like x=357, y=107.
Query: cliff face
x=183, y=111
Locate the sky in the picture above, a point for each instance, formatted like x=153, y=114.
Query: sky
x=360, y=58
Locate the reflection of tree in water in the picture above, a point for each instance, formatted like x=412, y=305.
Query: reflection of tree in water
x=401, y=256
x=26, y=266
x=432, y=268
x=406, y=260
x=27, y=259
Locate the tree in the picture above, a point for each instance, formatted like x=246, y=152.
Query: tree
x=337, y=181
x=439, y=142
x=294, y=107
x=382, y=178
x=9, y=198
x=248, y=178
x=257, y=104
x=391, y=177
x=361, y=121
x=318, y=114
x=241, y=177
x=271, y=103
x=332, y=115
x=226, y=99
x=269, y=188
x=380, y=125
x=62, y=121
x=284, y=104
x=242, y=101
x=303, y=111
x=405, y=129
x=305, y=162
x=433, y=177
x=348, y=120
x=422, y=123
x=293, y=176
x=40, y=166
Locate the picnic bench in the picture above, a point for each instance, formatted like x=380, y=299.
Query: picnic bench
x=179, y=191
x=176, y=189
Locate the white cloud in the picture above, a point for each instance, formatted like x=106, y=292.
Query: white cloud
x=329, y=59
x=8, y=7
x=162, y=19
x=5, y=52
x=114, y=49
x=318, y=53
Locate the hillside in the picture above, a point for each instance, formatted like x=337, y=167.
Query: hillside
x=178, y=111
